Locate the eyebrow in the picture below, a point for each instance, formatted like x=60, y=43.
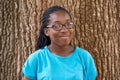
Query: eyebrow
x=69, y=20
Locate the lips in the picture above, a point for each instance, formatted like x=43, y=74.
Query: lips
x=65, y=36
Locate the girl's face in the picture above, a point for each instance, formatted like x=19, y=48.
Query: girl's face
x=63, y=36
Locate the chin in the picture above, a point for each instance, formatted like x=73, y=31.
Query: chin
x=64, y=44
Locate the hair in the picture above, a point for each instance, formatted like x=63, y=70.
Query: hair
x=44, y=40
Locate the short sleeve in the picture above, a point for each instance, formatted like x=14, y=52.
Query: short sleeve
x=91, y=70
x=29, y=69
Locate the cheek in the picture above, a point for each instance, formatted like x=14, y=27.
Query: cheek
x=72, y=32
x=53, y=35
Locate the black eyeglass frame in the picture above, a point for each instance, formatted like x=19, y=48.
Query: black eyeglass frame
x=68, y=25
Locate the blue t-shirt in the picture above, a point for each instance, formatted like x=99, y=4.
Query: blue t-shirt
x=45, y=65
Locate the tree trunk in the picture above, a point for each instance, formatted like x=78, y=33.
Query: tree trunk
x=97, y=30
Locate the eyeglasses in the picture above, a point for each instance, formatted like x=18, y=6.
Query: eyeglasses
x=58, y=27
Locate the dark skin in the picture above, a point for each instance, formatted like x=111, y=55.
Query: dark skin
x=60, y=40
x=25, y=78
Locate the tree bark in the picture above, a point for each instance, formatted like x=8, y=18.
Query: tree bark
x=97, y=29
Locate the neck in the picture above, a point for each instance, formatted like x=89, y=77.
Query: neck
x=61, y=50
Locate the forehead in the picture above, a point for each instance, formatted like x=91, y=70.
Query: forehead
x=59, y=16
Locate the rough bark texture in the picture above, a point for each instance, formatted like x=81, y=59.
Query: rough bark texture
x=97, y=30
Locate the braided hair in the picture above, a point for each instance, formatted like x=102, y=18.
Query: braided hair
x=44, y=40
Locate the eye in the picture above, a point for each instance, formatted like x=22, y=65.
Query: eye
x=56, y=26
x=69, y=25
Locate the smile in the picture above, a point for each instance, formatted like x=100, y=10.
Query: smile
x=65, y=36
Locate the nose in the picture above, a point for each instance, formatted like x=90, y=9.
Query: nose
x=64, y=29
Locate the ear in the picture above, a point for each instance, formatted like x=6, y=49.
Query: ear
x=46, y=31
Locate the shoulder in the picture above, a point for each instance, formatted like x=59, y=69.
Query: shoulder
x=83, y=53
x=37, y=54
